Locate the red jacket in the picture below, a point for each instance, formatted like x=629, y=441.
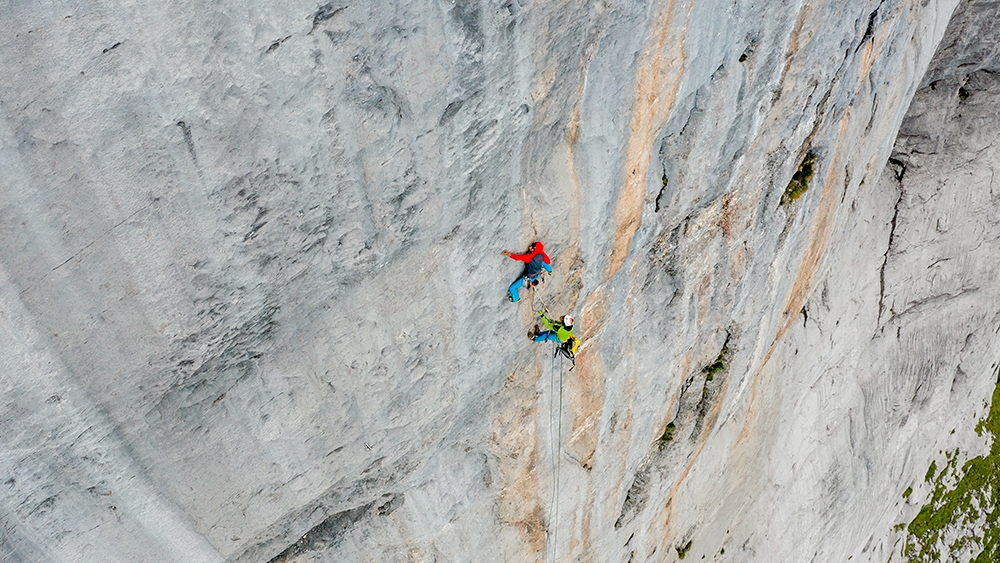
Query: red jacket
x=534, y=260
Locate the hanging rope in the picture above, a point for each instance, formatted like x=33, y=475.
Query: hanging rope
x=540, y=302
x=555, y=442
x=559, y=440
x=556, y=446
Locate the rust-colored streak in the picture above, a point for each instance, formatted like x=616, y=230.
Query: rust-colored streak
x=585, y=386
x=655, y=94
x=793, y=47
x=573, y=128
x=593, y=316
x=865, y=67
x=582, y=544
x=515, y=446
x=585, y=393
x=818, y=240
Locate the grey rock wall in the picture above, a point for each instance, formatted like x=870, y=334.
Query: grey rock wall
x=892, y=359
x=254, y=304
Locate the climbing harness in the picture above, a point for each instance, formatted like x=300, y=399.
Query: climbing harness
x=568, y=350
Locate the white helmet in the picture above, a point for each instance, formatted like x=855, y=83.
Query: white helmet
x=567, y=320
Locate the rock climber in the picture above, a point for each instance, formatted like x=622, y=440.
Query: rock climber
x=535, y=261
x=560, y=331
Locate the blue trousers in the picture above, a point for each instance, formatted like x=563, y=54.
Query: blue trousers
x=519, y=283
x=523, y=281
x=547, y=336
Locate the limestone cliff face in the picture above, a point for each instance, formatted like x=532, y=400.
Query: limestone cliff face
x=254, y=307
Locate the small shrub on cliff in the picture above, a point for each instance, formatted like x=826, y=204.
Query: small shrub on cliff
x=718, y=365
x=800, y=180
x=668, y=433
x=682, y=550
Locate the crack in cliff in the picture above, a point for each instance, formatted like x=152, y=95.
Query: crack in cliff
x=892, y=237
x=674, y=453
x=916, y=305
x=325, y=12
x=277, y=43
x=325, y=521
x=189, y=142
x=91, y=243
x=870, y=30
x=329, y=532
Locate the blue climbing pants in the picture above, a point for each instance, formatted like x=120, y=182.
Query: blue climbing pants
x=513, y=289
x=523, y=281
x=547, y=336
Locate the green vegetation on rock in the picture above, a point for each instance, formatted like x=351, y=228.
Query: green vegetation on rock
x=668, y=433
x=682, y=550
x=718, y=365
x=959, y=520
x=800, y=180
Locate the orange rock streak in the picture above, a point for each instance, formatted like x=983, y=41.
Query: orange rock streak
x=655, y=94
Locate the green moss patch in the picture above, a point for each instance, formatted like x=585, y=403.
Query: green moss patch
x=668, y=433
x=718, y=365
x=959, y=520
x=800, y=180
x=682, y=550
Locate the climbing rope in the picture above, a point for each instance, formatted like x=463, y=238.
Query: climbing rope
x=540, y=302
x=555, y=448
x=555, y=445
x=554, y=453
x=554, y=459
x=559, y=444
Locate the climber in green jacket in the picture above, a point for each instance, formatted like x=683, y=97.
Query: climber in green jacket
x=559, y=331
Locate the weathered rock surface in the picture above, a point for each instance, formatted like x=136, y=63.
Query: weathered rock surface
x=893, y=357
x=253, y=302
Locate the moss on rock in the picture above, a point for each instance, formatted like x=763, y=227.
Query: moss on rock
x=800, y=180
x=960, y=518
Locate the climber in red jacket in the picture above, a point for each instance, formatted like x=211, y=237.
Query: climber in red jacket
x=535, y=261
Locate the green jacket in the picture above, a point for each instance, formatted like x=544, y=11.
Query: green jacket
x=564, y=333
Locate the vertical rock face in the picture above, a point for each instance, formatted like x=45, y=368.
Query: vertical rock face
x=892, y=358
x=253, y=302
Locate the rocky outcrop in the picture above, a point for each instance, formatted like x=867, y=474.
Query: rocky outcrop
x=254, y=303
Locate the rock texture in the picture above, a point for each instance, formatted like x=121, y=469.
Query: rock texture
x=895, y=351
x=254, y=304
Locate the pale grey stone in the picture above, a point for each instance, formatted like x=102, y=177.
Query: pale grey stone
x=254, y=307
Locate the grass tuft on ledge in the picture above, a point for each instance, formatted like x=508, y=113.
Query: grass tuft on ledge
x=800, y=180
x=961, y=517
